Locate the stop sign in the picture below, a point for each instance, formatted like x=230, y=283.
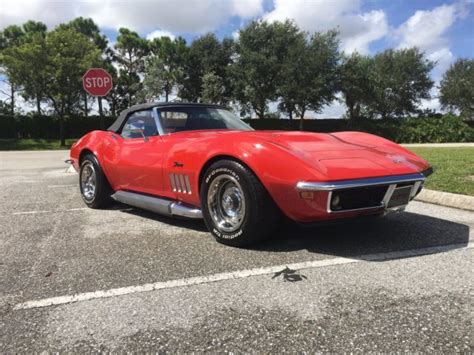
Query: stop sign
x=97, y=82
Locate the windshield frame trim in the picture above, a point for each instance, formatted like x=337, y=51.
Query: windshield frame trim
x=156, y=116
x=161, y=130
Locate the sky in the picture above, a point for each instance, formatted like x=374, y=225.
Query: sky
x=443, y=29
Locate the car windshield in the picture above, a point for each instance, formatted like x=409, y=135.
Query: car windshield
x=178, y=119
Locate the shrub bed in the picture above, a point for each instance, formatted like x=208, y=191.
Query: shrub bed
x=47, y=127
x=439, y=129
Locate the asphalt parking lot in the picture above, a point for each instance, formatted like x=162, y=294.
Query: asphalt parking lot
x=75, y=279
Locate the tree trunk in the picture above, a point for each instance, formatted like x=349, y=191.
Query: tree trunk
x=101, y=114
x=290, y=114
x=12, y=109
x=302, y=120
x=85, y=105
x=166, y=94
x=260, y=111
x=38, y=105
x=62, y=136
x=113, y=105
x=350, y=108
x=99, y=102
x=357, y=111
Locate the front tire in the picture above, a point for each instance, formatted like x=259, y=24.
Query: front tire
x=237, y=209
x=95, y=189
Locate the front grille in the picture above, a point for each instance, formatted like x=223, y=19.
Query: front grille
x=400, y=196
x=370, y=197
x=357, y=198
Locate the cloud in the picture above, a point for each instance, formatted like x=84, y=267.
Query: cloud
x=443, y=58
x=247, y=8
x=431, y=104
x=335, y=109
x=177, y=16
x=159, y=34
x=19, y=11
x=236, y=35
x=20, y=104
x=357, y=29
x=360, y=31
x=426, y=29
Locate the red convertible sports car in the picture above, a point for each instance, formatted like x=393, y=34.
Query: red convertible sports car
x=201, y=161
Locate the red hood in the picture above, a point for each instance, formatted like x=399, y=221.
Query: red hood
x=347, y=155
x=344, y=155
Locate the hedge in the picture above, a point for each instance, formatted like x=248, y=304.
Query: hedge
x=438, y=129
x=47, y=127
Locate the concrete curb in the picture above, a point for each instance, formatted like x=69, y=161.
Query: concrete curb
x=446, y=199
x=438, y=145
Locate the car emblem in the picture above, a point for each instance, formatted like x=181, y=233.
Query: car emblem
x=397, y=160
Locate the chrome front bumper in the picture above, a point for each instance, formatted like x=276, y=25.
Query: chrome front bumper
x=390, y=181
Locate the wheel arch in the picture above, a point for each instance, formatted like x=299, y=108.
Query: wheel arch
x=237, y=160
x=83, y=153
x=86, y=151
x=216, y=158
x=269, y=211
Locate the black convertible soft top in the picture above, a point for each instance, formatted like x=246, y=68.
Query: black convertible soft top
x=117, y=125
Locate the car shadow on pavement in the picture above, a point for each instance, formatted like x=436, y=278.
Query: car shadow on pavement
x=359, y=238
x=196, y=225
x=349, y=238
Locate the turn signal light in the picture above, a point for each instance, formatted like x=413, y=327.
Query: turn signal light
x=307, y=195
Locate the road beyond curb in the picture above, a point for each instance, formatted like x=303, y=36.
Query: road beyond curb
x=446, y=199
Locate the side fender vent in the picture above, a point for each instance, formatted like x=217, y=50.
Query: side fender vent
x=180, y=183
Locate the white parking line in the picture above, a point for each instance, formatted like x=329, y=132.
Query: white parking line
x=55, y=186
x=30, y=212
x=66, y=210
x=235, y=275
x=50, y=211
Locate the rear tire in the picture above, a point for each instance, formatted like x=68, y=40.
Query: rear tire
x=237, y=209
x=95, y=189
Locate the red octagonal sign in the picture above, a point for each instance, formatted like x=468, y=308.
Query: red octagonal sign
x=97, y=82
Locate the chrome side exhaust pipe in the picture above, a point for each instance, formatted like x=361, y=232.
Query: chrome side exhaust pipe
x=158, y=205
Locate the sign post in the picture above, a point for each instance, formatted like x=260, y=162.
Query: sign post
x=97, y=82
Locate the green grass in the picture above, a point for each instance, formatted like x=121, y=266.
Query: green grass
x=33, y=144
x=453, y=169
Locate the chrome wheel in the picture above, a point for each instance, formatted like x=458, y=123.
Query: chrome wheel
x=226, y=203
x=88, y=181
